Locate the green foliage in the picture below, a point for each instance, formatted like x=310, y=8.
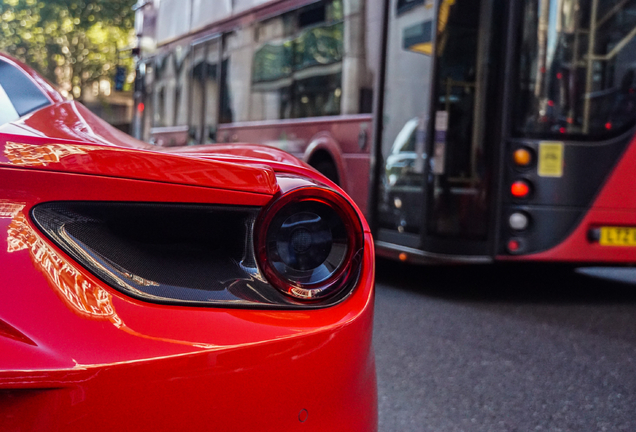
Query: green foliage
x=71, y=42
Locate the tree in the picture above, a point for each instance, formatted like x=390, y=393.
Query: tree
x=71, y=42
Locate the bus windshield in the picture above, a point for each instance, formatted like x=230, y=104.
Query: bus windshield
x=576, y=65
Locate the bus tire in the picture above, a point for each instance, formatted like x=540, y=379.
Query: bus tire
x=328, y=169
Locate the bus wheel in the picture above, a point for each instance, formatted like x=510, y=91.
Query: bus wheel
x=328, y=169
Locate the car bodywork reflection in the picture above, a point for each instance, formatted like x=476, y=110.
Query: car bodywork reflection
x=140, y=165
x=78, y=293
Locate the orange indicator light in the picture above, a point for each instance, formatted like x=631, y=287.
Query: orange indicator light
x=403, y=257
x=520, y=189
x=522, y=157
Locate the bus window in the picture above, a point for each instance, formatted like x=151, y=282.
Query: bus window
x=297, y=65
x=235, y=78
x=576, y=69
x=211, y=91
x=163, y=74
x=318, y=61
x=204, y=95
x=317, y=96
x=272, y=70
x=170, y=102
x=434, y=190
x=181, y=86
x=406, y=114
x=198, y=72
x=458, y=189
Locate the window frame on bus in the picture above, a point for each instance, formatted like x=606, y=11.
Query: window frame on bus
x=200, y=136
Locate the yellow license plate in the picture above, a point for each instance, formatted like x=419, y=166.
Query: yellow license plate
x=618, y=236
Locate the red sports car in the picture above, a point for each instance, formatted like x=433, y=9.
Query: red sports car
x=218, y=287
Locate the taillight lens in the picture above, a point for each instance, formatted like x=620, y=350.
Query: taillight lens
x=309, y=243
x=520, y=189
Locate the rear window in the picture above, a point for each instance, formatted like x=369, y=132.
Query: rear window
x=19, y=92
x=7, y=110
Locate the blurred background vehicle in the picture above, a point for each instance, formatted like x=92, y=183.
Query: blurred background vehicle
x=524, y=143
x=295, y=75
x=520, y=116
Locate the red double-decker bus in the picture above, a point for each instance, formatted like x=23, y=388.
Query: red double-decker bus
x=506, y=131
x=294, y=74
x=502, y=129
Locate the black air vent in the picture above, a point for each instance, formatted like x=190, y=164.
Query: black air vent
x=164, y=253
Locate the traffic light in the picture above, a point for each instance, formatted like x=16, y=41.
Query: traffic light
x=120, y=78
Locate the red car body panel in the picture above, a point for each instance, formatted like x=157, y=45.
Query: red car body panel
x=239, y=152
x=135, y=164
x=613, y=206
x=80, y=355
x=72, y=121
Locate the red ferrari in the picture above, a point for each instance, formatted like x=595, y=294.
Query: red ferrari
x=210, y=288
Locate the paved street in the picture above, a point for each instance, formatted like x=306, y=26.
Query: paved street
x=498, y=348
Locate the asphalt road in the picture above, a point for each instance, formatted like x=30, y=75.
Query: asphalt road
x=498, y=348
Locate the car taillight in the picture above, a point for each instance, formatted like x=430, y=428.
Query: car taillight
x=309, y=243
